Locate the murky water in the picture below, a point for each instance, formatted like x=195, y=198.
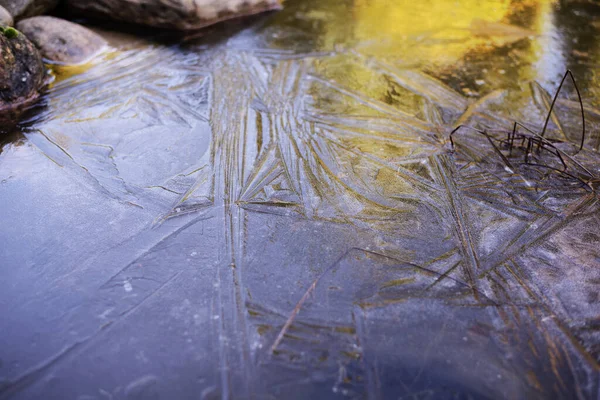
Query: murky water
x=273, y=209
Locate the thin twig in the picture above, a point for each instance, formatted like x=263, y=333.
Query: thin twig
x=559, y=172
x=299, y=305
x=292, y=316
x=568, y=73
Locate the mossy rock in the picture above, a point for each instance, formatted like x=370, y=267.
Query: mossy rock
x=22, y=72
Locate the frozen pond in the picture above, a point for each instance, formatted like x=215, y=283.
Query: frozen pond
x=272, y=209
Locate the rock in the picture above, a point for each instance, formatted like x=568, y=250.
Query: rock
x=22, y=72
x=60, y=41
x=28, y=8
x=5, y=18
x=172, y=14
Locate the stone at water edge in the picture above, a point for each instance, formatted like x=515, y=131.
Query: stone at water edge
x=22, y=73
x=172, y=14
x=28, y=8
x=5, y=18
x=61, y=41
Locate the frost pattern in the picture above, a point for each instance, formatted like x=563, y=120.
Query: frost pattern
x=236, y=220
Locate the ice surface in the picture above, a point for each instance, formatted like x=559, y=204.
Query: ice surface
x=272, y=209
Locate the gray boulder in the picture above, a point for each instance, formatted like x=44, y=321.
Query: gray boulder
x=5, y=18
x=28, y=8
x=22, y=73
x=60, y=41
x=172, y=14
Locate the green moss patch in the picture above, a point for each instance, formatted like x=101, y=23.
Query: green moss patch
x=9, y=32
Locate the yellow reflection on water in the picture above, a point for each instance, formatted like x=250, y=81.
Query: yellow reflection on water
x=442, y=31
x=375, y=17
x=426, y=32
